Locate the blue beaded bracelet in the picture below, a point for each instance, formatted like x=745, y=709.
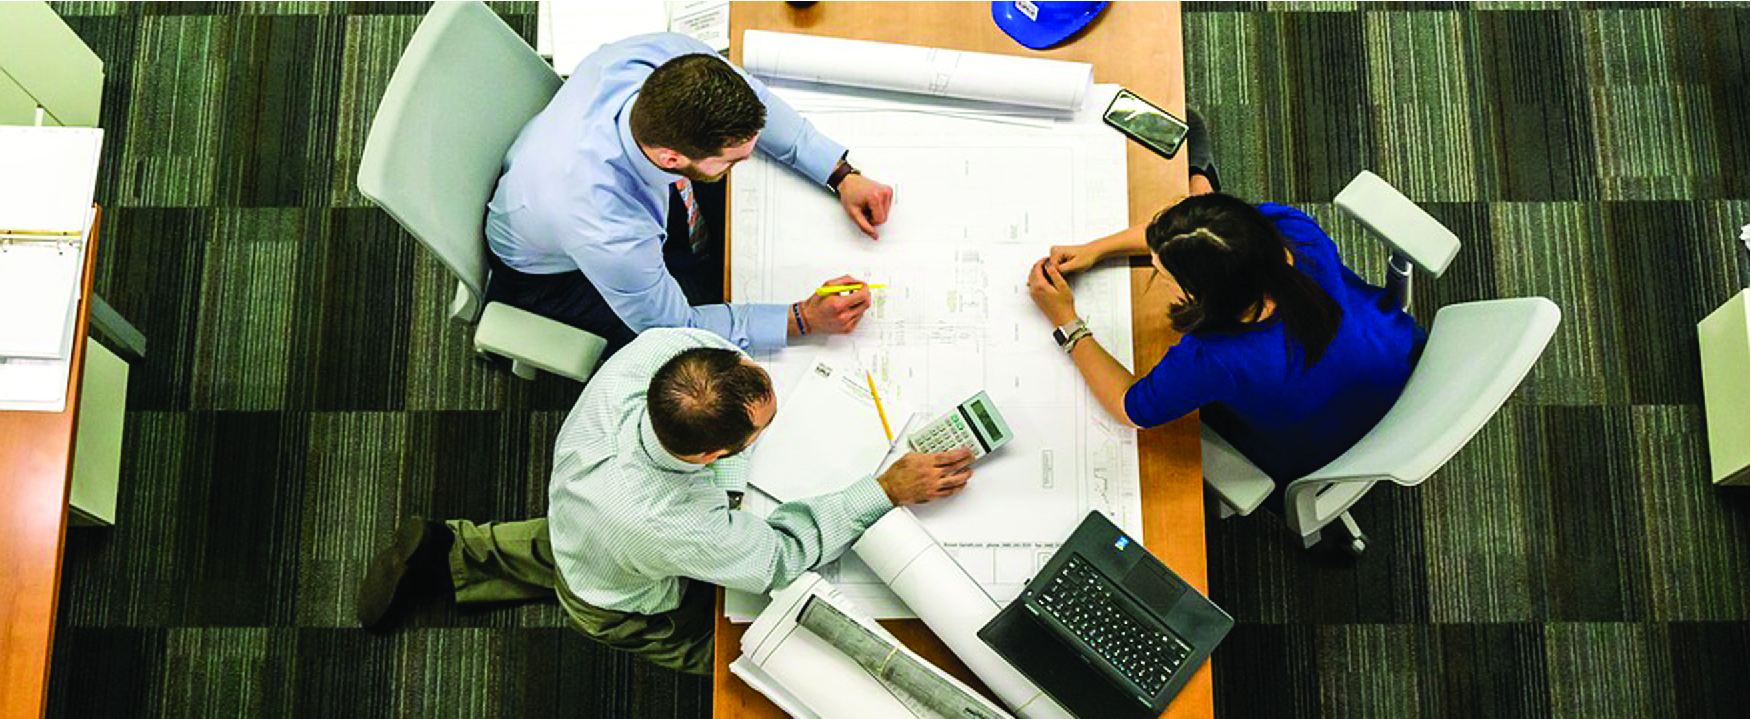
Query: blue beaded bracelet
x=796, y=311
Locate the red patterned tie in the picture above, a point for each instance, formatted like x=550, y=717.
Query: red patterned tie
x=695, y=222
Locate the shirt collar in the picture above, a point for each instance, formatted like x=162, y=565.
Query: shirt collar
x=653, y=449
x=642, y=166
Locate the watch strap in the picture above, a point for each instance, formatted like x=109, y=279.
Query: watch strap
x=842, y=171
x=1081, y=333
x=1064, y=334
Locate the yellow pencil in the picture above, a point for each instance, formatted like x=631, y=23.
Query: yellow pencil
x=836, y=289
x=878, y=403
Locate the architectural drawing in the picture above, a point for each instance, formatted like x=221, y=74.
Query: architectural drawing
x=976, y=204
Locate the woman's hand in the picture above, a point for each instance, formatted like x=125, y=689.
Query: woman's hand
x=1071, y=259
x=1051, y=293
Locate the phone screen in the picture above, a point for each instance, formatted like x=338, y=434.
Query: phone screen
x=1146, y=123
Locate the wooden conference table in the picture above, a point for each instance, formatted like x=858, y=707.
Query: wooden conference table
x=1135, y=44
x=36, y=465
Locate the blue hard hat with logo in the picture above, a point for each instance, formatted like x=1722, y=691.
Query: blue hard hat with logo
x=1040, y=25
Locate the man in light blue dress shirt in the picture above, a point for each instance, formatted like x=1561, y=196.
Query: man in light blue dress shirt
x=608, y=213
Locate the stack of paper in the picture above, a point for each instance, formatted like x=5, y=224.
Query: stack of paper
x=45, y=214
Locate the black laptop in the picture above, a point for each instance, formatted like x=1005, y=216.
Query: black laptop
x=1105, y=628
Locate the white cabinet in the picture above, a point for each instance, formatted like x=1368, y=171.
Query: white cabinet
x=42, y=62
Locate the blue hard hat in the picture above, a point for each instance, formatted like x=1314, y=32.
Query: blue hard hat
x=1040, y=25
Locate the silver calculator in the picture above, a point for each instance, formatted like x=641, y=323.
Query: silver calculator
x=974, y=424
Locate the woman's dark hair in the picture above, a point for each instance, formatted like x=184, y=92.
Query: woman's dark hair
x=696, y=105
x=700, y=401
x=1228, y=257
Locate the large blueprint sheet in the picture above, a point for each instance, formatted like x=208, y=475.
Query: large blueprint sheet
x=978, y=199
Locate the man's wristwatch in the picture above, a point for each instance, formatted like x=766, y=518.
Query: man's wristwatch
x=1067, y=334
x=842, y=171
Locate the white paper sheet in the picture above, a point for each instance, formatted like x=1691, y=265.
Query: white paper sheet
x=707, y=22
x=761, y=682
x=39, y=383
x=977, y=201
x=1030, y=82
x=34, y=385
x=49, y=179
x=39, y=291
x=568, y=31
x=826, y=435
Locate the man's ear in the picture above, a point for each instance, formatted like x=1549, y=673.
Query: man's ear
x=714, y=455
x=668, y=159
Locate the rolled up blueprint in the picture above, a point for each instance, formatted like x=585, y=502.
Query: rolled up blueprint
x=1006, y=79
x=920, y=686
x=794, y=665
x=951, y=603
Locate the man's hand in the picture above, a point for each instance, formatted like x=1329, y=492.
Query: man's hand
x=866, y=201
x=835, y=314
x=1051, y=293
x=919, y=478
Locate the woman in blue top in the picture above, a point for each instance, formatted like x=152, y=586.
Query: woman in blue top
x=1291, y=356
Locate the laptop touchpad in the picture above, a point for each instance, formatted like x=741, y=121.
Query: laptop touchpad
x=1154, y=586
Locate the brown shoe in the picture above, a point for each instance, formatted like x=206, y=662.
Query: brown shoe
x=418, y=554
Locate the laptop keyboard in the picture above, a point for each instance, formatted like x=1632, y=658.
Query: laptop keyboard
x=1082, y=599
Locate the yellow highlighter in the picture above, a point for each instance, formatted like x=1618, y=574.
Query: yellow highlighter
x=836, y=289
x=878, y=403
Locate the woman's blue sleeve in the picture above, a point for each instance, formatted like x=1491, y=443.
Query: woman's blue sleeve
x=1188, y=377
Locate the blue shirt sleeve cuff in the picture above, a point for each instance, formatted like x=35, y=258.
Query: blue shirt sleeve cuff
x=768, y=326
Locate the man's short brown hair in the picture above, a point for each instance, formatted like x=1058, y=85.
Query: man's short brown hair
x=702, y=401
x=696, y=105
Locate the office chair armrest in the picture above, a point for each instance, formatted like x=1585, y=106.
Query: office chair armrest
x=538, y=342
x=1237, y=482
x=1399, y=222
x=465, y=306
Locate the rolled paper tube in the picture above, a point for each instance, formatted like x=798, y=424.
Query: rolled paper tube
x=951, y=603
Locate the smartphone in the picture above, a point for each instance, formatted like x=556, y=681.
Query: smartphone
x=1146, y=123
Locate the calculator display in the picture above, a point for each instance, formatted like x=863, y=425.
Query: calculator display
x=988, y=425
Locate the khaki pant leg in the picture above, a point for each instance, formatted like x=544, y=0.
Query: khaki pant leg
x=680, y=639
x=501, y=561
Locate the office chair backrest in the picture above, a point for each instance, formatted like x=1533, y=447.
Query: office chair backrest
x=1476, y=355
x=463, y=91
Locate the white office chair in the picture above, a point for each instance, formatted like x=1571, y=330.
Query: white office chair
x=1476, y=355
x=464, y=88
